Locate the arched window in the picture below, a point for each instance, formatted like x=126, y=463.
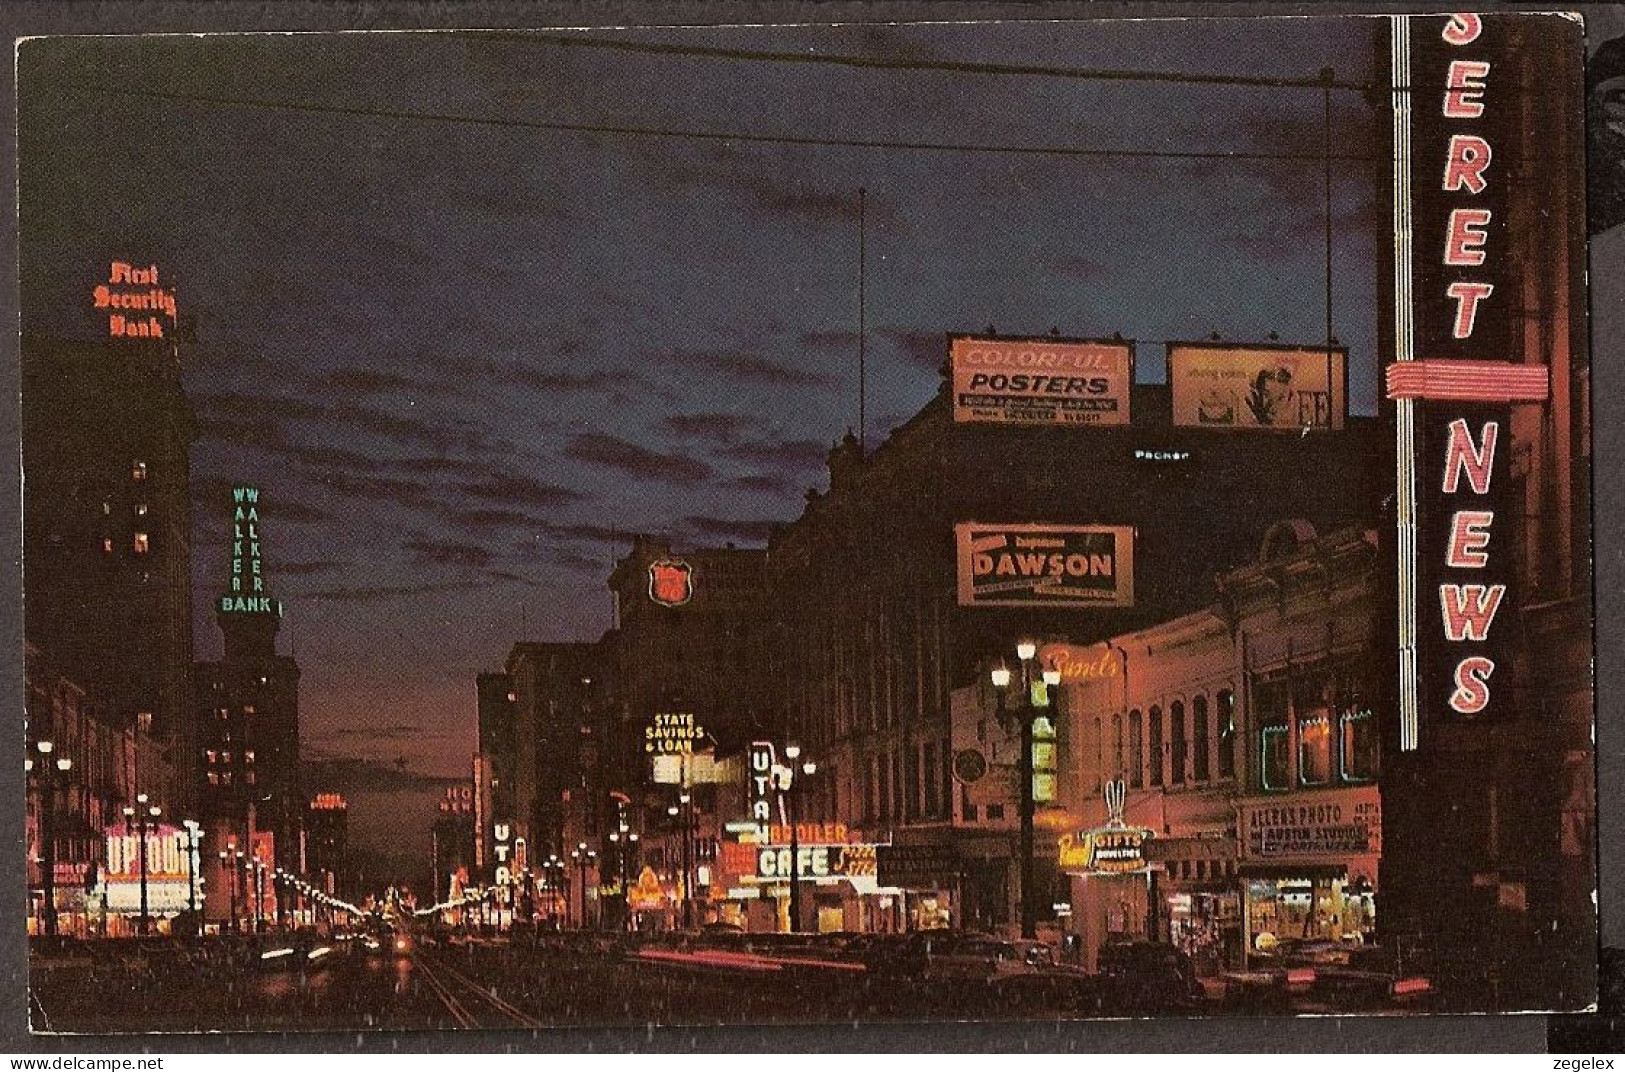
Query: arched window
x=1199, y=737
x=1118, y=760
x=1136, y=764
x=1227, y=733
x=1181, y=744
x=1154, y=746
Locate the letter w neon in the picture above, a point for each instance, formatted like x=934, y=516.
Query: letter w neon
x=1469, y=609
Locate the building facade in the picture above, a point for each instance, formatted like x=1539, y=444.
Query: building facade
x=873, y=637
x=107, y=433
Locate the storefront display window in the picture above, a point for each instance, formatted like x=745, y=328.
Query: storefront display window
x=1313, y=909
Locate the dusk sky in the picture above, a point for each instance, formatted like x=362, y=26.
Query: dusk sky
x=462, y=358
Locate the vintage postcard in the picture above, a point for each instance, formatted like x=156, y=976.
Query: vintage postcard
x=807, y=523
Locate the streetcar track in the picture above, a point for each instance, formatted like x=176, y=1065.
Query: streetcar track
x=505, y=1008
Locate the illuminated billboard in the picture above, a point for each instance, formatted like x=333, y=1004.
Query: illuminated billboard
x=1045, y=565
x=1040, y=381
x=1271, y=387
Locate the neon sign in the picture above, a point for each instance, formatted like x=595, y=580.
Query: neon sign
x=248, y=595
x=131, y=290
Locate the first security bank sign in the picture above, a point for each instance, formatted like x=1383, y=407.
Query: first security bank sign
x=1455, y=95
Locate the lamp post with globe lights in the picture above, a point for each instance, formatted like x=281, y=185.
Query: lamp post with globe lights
x=1034, y=702
x=47, y=772
x=789, y=791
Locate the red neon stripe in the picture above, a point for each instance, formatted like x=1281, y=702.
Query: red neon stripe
x=1468, y=381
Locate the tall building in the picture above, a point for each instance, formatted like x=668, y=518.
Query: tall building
x=561, y=708
x=326, y=827
x=106, y=433
x=247, y=704
x=1488, y=791
x=691, y=637
x=495, y=787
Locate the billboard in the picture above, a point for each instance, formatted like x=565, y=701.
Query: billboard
x=1045, y=565
x=1231, y=385
x=1040, y=381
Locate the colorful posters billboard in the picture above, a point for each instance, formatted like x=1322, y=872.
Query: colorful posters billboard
x=1226, y=385
x=1045, y=565
x=1040, y=381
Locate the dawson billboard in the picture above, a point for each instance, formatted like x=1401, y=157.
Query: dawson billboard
x=1045, y=565
x=1270, y=387
x=1040, y=381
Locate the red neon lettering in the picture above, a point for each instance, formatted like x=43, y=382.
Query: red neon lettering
x=1469, y=610
x=1460, y=455
x=1469, y=536
x=1463, y=28
x=1467, y=296
x=1464, y=165
x=1472, y=693
x=1464, y=241
x=1464, y=99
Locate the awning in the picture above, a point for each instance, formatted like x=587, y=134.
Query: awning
x=1291, y=871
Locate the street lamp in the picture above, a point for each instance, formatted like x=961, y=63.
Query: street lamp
x=1034, y=702
x=583, y=857
x=46, y=777
x=231, y=886
x=784, y=780
x=239, y=875
x=193, y=835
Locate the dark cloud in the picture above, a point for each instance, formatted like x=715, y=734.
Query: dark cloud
x=720, y=427
x=378, y=489
x=378, y=593
x=1089, y=268
x=212, y=502
x=722, y=528
x=364, y=381
x=508, y=489
x=487, y=517
x=400, y=731
x=612, y=452
x=750, y=368
x=584, y=531
x=762, y=482
x=448, y=553
x=348, y=774
x=306, y=569
x=220, y=406
x=796, y=454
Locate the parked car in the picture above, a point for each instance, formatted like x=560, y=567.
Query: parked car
x=1147, y=977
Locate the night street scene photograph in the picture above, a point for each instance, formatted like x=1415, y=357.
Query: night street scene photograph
x=806, y=524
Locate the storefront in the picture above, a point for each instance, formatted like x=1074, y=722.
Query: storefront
x=1199, y=898
x=1308, y=867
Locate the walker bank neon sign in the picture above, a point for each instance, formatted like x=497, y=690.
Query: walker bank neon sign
x=128, y=292
x=248, y=595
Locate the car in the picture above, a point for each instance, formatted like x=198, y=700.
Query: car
x=1342, y=977
x=1147, y=977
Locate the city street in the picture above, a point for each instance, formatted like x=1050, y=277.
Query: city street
x=570, y=980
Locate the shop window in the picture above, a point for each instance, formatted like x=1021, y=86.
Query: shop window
x=1181, y=746
x=1359, y=746
x=1136, y=765
x=1227, y=733
x=1199, y=738
x=1315, y=750
x=1274, y=753
x=1153, y=752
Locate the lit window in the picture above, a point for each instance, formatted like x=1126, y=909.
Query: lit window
x=248, y=757
x=138, y=470
x=250, y=777
x=142, y=544
x=1359, y=753
x=214, y=778
x=1275, y=754
x=140, y=509
x=107, y=545
x=213, y=755
x=225, y=779
x=248, y=709
x=225, y=757
x=1315, y=750
x=107, y=509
